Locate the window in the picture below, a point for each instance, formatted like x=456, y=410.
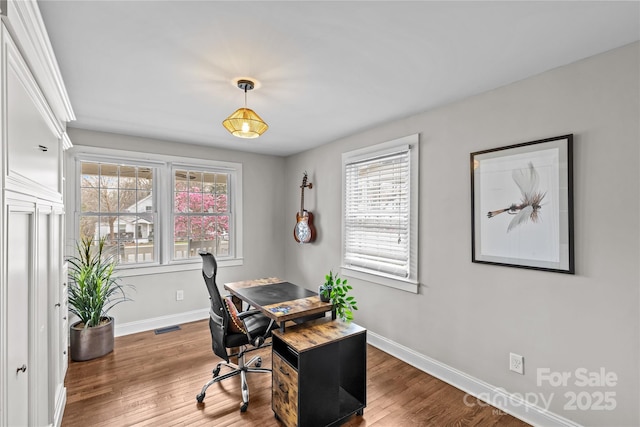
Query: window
x=157, y=211
x=201, y=213
x=117, y=203
x=380, y=209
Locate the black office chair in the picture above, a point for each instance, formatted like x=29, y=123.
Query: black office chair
x=247, y=328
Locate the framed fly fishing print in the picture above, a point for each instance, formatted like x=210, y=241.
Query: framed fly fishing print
x=522, y=205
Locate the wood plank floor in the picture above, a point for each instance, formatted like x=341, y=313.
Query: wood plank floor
x=152, y=380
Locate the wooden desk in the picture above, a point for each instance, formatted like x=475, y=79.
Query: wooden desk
x=279, y=300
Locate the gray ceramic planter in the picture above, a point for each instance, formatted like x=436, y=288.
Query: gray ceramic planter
x=91, y=343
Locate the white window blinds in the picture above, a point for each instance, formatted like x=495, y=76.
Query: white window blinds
x=377, y=222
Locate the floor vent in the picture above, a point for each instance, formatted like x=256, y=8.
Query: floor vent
x=167, y=329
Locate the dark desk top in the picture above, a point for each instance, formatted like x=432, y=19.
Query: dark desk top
x=279, y=300
x=276, y=293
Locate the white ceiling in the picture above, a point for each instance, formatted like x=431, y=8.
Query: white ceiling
x=326, y=70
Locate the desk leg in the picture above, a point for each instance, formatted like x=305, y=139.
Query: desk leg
x=333, y=314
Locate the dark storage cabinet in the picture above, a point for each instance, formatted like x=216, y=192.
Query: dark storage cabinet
x=319, y=373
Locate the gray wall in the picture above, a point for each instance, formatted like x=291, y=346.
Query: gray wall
x=264, y=226
x=470, y=316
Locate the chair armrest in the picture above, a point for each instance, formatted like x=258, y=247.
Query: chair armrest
x=247, y=313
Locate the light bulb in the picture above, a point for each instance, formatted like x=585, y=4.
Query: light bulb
x=245, y=127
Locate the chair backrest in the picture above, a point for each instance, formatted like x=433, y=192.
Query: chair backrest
x=218, y=315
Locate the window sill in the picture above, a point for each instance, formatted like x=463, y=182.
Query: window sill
x=145, y=270
x=403, y=285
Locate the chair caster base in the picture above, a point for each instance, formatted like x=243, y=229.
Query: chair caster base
x=244, y=406
x=200, y=397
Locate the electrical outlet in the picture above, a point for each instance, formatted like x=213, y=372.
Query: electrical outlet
x=516, y=363
x=179, y=295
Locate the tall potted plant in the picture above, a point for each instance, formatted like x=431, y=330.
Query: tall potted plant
x=93, y=291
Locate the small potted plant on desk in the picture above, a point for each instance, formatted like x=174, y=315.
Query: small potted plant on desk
x=93, y=291
x=335, y=290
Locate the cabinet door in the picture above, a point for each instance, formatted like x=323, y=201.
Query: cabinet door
x=19, y=238
x=285, y=391
x=57, y=318
x=39, y=380
x=64, y=325
x=33, y=151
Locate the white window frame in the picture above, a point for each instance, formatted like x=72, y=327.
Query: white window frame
x=410, y=143
x=231, y=203
x=113, y=161
x=164, y=166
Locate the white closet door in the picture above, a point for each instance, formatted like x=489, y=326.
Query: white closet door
x=19, y=233
x=57, y=312
x=39, y=379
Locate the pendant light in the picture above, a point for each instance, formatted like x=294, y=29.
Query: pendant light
x=244, y=122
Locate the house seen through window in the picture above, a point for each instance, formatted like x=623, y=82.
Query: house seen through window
x=117, y=203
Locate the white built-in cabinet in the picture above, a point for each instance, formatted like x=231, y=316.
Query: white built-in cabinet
x=34, y=110
x=19, y=223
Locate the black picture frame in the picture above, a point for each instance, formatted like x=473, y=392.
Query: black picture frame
x=522, y=205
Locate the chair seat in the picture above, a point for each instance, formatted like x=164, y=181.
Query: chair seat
x=256, y=325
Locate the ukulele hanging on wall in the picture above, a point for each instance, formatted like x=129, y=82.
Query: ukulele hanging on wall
x=304, y=232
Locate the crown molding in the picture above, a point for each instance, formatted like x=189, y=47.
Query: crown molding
x=66, y=142
x=25, y=24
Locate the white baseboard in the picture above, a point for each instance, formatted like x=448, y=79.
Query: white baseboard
x=160, y=322
x=512, y=404
x=61, y=402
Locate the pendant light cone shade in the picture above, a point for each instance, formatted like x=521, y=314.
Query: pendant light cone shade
x=244, y=122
